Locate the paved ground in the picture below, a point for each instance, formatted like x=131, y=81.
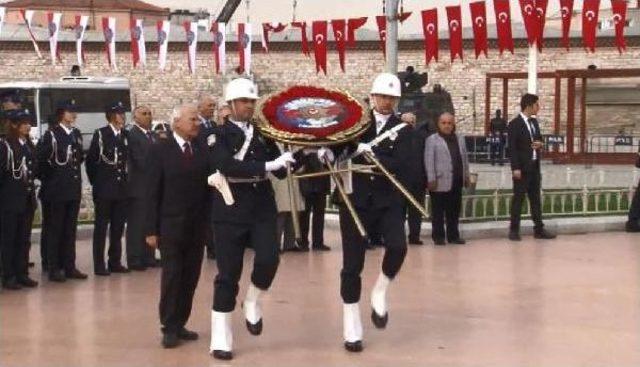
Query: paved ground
x=574, y=301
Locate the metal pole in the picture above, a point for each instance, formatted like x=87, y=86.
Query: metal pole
x=391, y=45
x=532, y=85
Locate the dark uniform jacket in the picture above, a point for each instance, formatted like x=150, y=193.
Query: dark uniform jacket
x=17, y=186
x=60, y=156
x=520, y=143
x=139, y=145
x=107, y=164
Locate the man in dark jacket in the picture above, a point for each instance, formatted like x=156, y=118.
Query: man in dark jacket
x=315, y=191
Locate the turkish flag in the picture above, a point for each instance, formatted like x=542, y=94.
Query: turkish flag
x=503, y=25
x=619, y=8
x=479, y=21
x=541, y=13
x=566, y=11
x=319, y=29
x=339, y=33
x=352, y=25
x=269, y=27
x=430, y=30
x=454, y=16
x=530, y=18
x=303, y=36
x=382, y=31
x=590, y=11
x=218, y=31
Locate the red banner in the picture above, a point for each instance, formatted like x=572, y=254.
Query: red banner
x=339, y=32
x=454, y=16
x=590, y=11
x=528, y=8
x=479, y=22
x=303, y=36
x=430, y=30
x=566, y=11
x=268, y=27
x=352, y=25
x=503, y=25
x=619, y=9
x=381, y=20
x=541, y=12
x=319, y=30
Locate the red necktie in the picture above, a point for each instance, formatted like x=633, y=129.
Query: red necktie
x=188, y=153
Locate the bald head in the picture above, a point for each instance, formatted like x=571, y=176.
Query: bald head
x=184, y=121
x=207, y=106
x=446, y=123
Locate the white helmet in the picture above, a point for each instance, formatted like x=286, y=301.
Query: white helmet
x=386, y=84
x=240, y=88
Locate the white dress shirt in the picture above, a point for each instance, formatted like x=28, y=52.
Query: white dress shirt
x=531, y=135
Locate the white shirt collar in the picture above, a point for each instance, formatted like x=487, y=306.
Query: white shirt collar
x=145, y=131
x=179, y=140
x=245, y=126
x=116, y=132
x=66, y=129
x=22, y=141
x=381, y=120
x=524, y=117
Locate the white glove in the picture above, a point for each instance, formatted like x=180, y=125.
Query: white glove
x=280, y=162
x=326, y=155
x=220, y=183
x=364, y=148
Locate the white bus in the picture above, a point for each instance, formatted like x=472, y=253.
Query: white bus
x=91, y=94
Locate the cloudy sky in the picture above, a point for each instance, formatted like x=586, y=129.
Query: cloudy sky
x=282, y=10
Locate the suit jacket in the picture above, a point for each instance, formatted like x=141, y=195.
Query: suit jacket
x=178, y=205
x=60, y=174
x=107, y=170
x=416, y=175
x=139, y=147
x=437, y=160
x=521, y=153
x=17, y=194
x=315, y=185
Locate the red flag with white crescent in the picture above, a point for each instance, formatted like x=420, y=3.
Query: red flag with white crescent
x=163, y=28
x=339, y=35
x=566, y=12
x=503, y=25
x=218, y=31
x=381, y=20
x=54, y=29
x=191, y=31
x=454, y=17
x=109, y=32
x=430, y=30
x=541, y=13
x=590, y=11
x=244, y=47
x=138, y=47
x=319, y=31
x=619, y=9
x=530, y=18
x=479, y=22
x=303, y=36
x=352, y=25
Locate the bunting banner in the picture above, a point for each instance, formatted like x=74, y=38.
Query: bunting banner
x=339, y=35
x=541, y=13
x=219, y=46
x=244, y=48
x=109, y=32
x=303, y=36
x=503, y=25
x=163, y=28
x=319, y=31
x=530, y=18
x=404, y=16
x=191, y=32
x=566, y=12
x=3, y=13
x=454, y=17
x=619, y=9
x=54, y=29
x=430, y=30
x=79, y=29
x=352, y=26
x=270, y=27
x=590, y=11
x=381, y=20
x=138, y=47
x=27, y=15
x=478, y=11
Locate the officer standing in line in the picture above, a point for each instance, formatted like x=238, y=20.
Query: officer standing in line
x=17, y=174
x=107, y=171
x=60, y=153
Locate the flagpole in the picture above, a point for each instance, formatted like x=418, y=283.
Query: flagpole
x=391, y=44
x=532, y=79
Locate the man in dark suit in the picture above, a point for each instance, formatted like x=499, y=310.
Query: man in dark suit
x=107, y=171
x=206, y=111
x=178, y=215
x=315, y=191
x=140, y=137
x=525, y=144
x=499, y=138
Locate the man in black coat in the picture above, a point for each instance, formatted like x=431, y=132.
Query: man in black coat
x=107, y=171
x=315, y=191
x=498, y=138
x=140, y=138
x=525, y=144
x=178, y=215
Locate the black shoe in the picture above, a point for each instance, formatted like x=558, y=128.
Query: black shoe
x=322, y=247
x=354, y=347
x=223, y=355
x=254, y=329
x=439, y=242
x=515, y=236
x=57, y=276
x=11, y=284
x=170, y=340
x=415, y=241
x=543, y=234
x=25, y=281
x=137, y=267
x=458, y=241
x=632, y=227
x=186, y=334
x=102, y=272
x=380, y=322
x=75, y=274
x=118, y=268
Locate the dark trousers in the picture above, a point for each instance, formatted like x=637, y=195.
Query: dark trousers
x=284, y=232
x=61, y=235
x=181, y=258
x=45, y=213
x=138, y=253
x=230, y=245
x=497, y=151
x=634, y=209
x=316, y=204
x=14, y=242
x=445, y=206
x=390, y=223
x=111, y=214
x=414, y=217
x=528, y=185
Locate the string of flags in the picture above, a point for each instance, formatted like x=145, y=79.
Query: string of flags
x=534, y=15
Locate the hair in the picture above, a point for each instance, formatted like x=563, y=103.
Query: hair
x=528, y=100
x=498, y=112
x=177, y=112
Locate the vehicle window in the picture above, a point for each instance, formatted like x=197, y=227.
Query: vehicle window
x=29, y=99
